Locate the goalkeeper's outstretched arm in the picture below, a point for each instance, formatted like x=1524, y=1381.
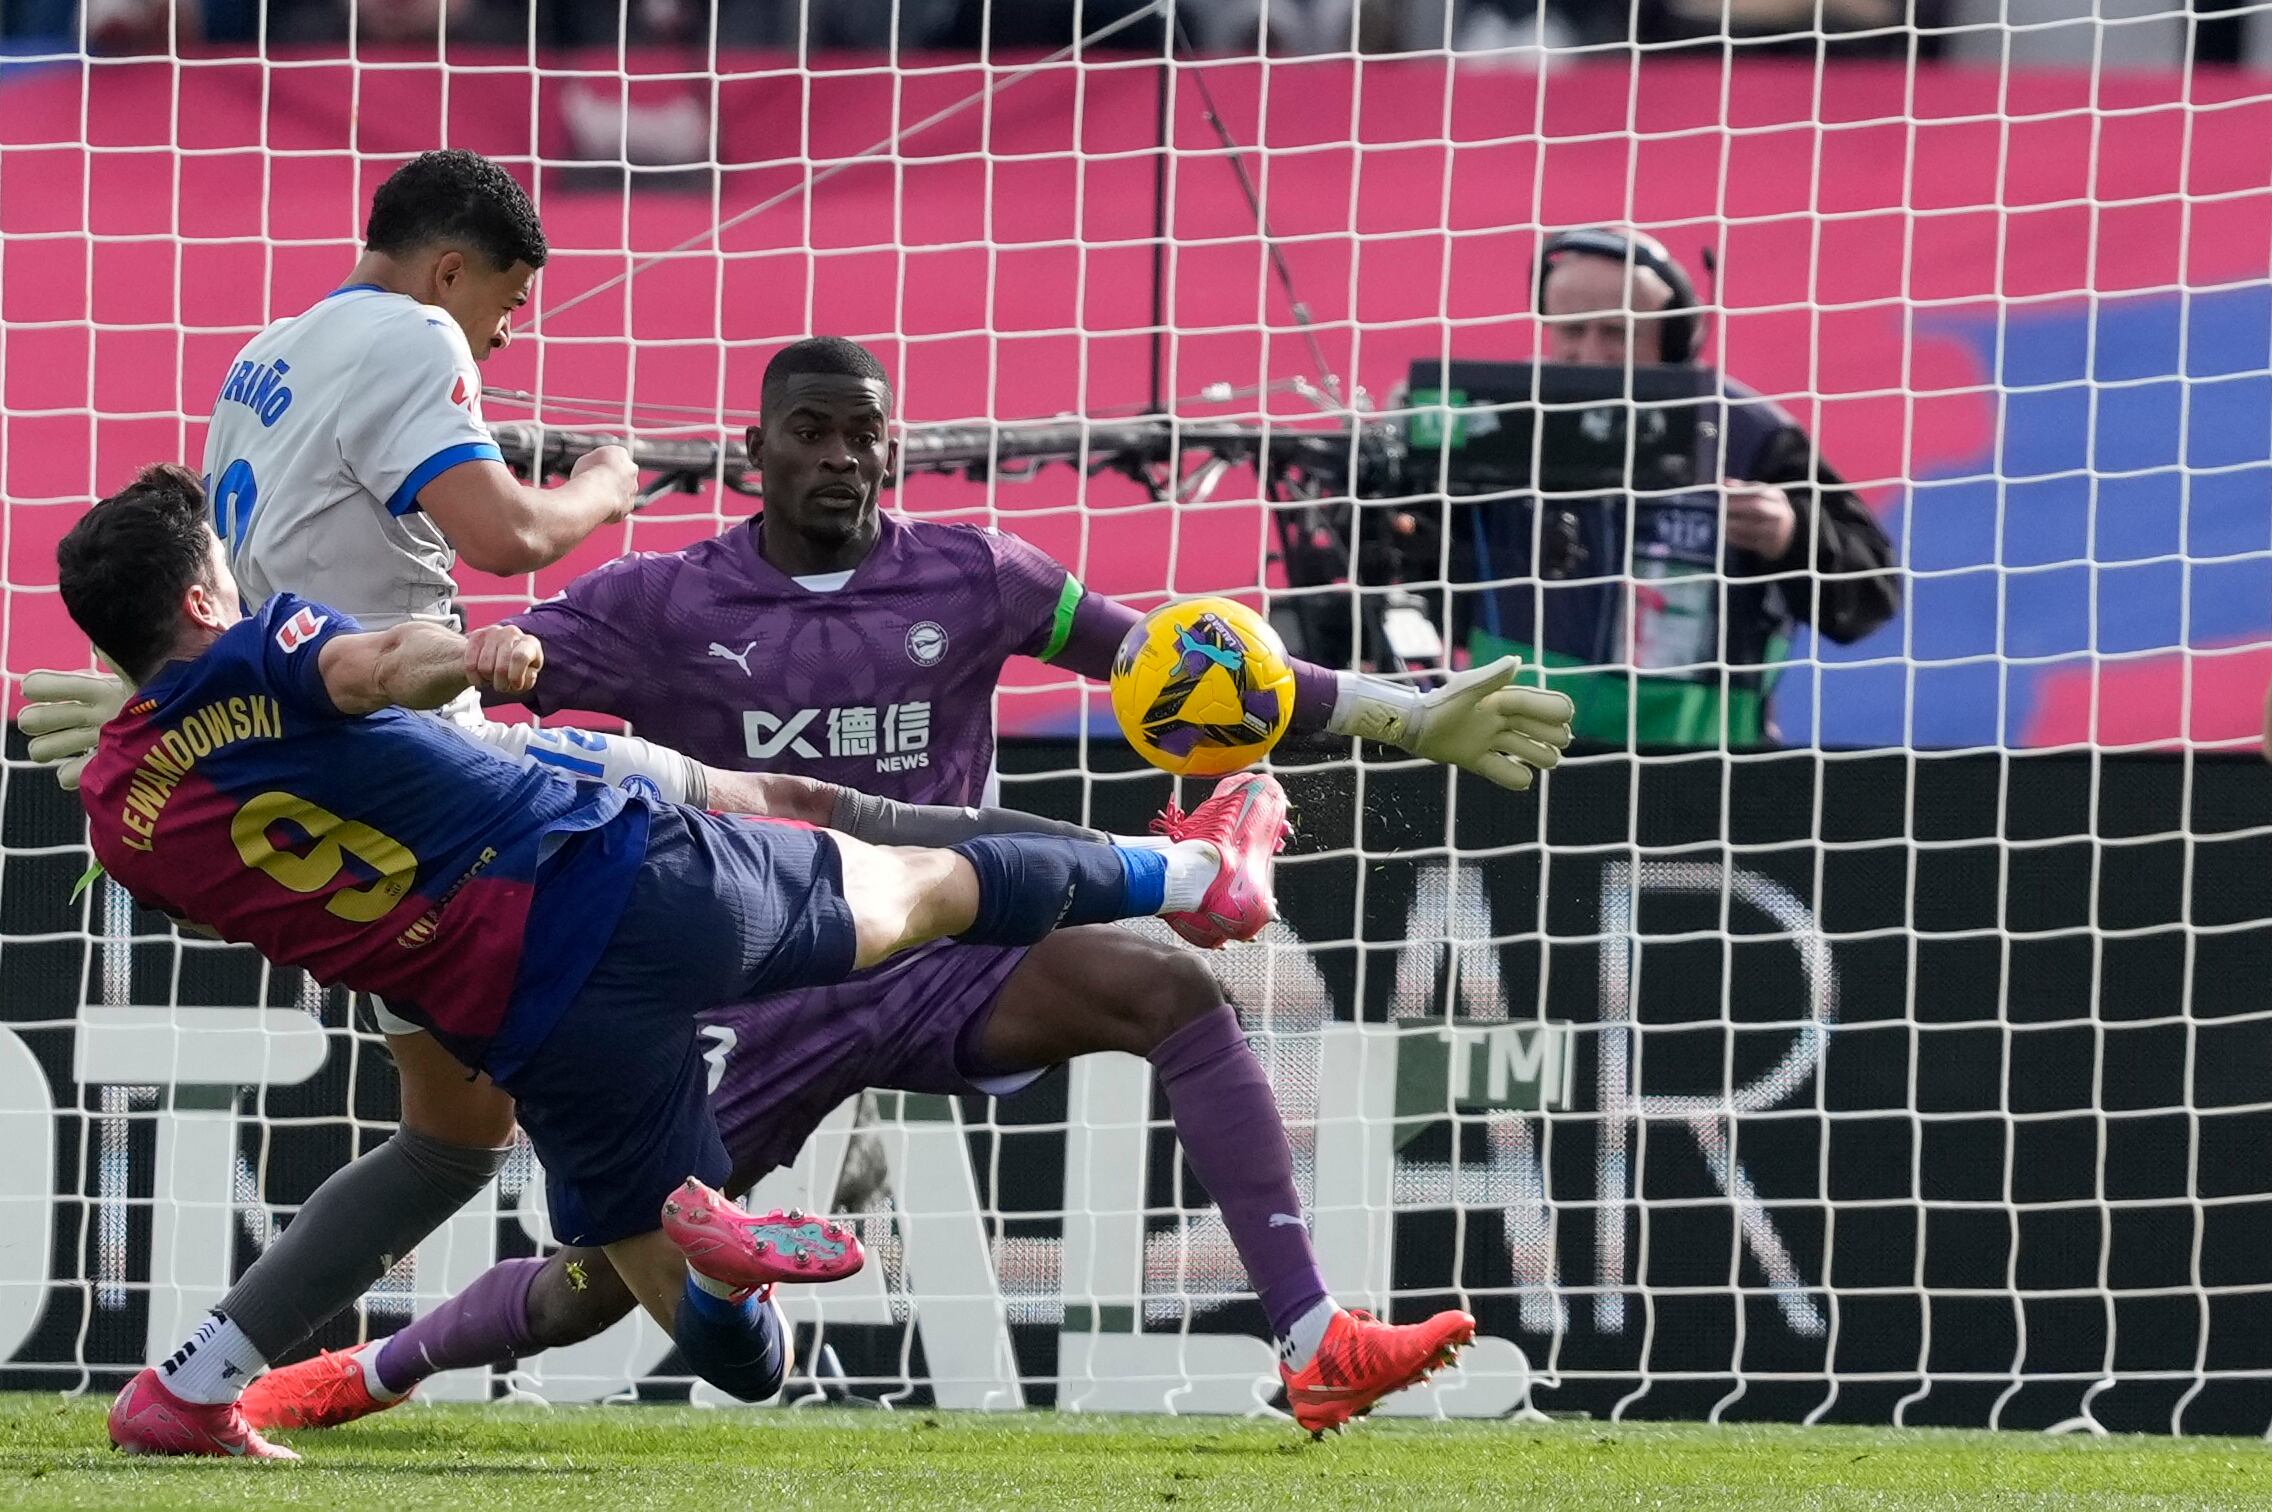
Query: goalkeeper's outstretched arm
x=1478, y=720
x=864, y=816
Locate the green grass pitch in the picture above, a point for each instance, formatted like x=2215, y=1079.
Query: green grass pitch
x=52, y=1454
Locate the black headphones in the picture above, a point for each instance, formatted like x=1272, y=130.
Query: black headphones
x=1682, y=323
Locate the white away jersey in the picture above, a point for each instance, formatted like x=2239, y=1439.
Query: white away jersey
x=324, y=430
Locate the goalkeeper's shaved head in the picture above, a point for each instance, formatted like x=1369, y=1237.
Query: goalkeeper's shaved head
x=822, y=357
x=824, y=454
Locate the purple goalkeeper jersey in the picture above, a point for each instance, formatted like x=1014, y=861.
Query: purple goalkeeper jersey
x=885, y=684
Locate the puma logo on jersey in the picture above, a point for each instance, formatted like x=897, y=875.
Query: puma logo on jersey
x=738, y=658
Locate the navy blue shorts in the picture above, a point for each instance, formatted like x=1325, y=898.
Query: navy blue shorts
x=616, y=1098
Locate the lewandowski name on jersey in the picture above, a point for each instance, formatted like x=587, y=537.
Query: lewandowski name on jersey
x=384, y=852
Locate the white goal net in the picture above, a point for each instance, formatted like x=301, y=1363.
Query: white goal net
x=1910, y=1064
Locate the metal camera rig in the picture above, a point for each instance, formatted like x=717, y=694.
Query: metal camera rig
x=1341, y=547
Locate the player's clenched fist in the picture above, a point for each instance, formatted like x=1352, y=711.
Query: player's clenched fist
x=503, y=659
x=617, y=474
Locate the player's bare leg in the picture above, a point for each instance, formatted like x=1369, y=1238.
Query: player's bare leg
x=440, y=1101
x=654, y=1272
x=903, y=898
x=1212, y=883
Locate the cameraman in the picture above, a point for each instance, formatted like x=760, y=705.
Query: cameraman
x=1715, y=584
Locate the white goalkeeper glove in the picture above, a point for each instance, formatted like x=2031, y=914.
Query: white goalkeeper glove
x=62, y=715
x=1476, y=721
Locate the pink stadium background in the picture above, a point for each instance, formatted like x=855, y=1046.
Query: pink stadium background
x=1871, y=220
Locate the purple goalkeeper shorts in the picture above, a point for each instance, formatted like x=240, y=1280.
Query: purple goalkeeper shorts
x=781, y=1064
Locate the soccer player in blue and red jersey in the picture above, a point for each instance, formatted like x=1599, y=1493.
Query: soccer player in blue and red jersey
x=347, y=463
x=828, y=639
x=265, y=783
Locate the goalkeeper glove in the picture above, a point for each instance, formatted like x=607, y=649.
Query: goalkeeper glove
x=1476, y=721
x=63, y=714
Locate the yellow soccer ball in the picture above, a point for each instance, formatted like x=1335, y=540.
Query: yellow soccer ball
x=1201, y=687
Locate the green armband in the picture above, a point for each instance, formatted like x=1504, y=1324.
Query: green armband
x=1061, y=626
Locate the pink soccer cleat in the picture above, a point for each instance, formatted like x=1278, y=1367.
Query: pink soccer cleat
x=1363, y=1359
x=149, y=1419
x=324, y=1392
x=750, y=1250
x=1245, y=820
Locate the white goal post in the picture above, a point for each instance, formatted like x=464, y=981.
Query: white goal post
x=1911, y=1066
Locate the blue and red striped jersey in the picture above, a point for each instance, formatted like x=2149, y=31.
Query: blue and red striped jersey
x=384, y=852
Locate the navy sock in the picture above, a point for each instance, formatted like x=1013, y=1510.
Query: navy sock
x=1029, y=885
x=735, y=1346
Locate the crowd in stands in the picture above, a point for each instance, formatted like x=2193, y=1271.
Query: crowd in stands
x=1506, y=27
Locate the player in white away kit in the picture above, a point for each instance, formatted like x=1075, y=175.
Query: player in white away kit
x=347, y=461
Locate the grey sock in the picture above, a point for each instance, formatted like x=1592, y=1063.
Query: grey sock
x=886, y=821
x=370, y=1213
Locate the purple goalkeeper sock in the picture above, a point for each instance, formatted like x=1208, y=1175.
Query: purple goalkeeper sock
x=1228, y=1121
x=482, y=1325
